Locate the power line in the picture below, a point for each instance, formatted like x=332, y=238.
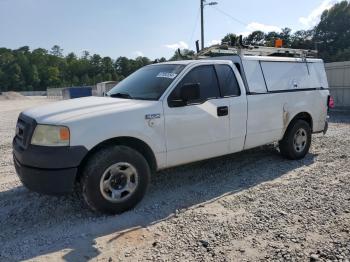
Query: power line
x=230, y=16
x=195, y=26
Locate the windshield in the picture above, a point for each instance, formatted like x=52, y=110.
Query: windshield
x=147, y=83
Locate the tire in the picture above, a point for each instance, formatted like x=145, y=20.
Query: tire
x=115, y=179
x=296, y=141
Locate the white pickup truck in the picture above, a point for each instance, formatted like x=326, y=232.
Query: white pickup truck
x=165, y=115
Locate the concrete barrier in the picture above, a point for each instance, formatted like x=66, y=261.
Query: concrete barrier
x=58, y=93
x=33, y=93
x=55, y=93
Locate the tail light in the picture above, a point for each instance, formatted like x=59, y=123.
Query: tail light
x=330, y=102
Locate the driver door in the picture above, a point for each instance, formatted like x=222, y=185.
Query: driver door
x=199, y=129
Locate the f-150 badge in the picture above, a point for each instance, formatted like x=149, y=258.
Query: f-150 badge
x=152, y=116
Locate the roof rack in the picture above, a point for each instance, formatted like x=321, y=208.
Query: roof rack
x=225, y=50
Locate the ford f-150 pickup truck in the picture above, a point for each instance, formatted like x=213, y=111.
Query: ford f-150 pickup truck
x=165, y=115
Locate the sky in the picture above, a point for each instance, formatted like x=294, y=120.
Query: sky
x=152, y=28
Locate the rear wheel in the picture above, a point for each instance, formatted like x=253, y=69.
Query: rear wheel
x=115, y=179
x=297, y=140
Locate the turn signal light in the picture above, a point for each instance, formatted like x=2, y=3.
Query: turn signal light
x=64, y=133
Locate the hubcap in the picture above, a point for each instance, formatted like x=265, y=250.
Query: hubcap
x=119, y=182
x=300, y=139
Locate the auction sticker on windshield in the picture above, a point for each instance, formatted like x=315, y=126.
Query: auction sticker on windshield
x=167, y=75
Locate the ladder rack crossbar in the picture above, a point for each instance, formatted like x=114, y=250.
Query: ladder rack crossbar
x=218, y=50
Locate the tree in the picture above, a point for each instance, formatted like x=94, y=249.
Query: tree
x=142, y=61
x=86, y=55
x=85, y=80
x=342, y=55
x=332, y=33
x=23, y=69
x=230, y=39
x=107, y=66
x=33, y=79
x=3, y=86
x=123, y=66
x=15, y=77
x=53, y=78
x=23, y=49
x=302, y=39
x=96, y=62
x=285, y=35
x=255, y=38
x=56, y=51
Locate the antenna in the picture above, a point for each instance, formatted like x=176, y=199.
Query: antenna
x=179, y=52
x=241, y=42
x=197, y=46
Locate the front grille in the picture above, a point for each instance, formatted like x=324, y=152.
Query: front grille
x=24, y=130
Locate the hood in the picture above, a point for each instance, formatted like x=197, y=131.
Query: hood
x=62, y=111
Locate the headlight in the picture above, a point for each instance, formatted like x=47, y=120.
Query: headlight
x=46, y=135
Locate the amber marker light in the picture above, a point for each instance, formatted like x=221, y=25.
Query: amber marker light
x=64, y=134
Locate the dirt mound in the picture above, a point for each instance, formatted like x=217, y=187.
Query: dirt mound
x=12, y=96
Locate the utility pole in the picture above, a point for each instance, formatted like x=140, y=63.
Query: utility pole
x=202, y=24
x=203, y=4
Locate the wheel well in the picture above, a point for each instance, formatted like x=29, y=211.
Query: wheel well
x=303, y=116
x=131, y=142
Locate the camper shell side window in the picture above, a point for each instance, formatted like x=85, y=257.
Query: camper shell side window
x=269, y=76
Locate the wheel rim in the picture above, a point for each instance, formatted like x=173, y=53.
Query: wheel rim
x=119, y=182
x=300, y=140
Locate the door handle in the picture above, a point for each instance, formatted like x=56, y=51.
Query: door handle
x=222, y=110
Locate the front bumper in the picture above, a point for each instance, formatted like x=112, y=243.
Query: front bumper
x=46, y=181
x=48, y=170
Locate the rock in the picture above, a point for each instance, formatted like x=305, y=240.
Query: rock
x=204, y=243
x=314, y=257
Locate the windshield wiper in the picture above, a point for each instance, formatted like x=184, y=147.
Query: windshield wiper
x=121, y=95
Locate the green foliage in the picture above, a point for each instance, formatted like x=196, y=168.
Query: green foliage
x=53, y=76
x=332, y=33
x=230, y=39
x=24, y=70
x=255, y=38
x=302, y=39
x=56, y=51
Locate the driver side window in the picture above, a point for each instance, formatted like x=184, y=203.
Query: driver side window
x=206, y=77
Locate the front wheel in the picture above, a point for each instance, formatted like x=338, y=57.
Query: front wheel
x=115, y=179
x=296, y=141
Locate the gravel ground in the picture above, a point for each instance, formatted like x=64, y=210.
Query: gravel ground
x=252, y=206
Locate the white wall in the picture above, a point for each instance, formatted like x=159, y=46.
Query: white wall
x=338, y=74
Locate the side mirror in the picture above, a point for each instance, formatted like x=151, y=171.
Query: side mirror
x=186, y=93
x=190, y=92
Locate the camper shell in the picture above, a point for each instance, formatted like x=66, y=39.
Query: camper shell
x=268, y=74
